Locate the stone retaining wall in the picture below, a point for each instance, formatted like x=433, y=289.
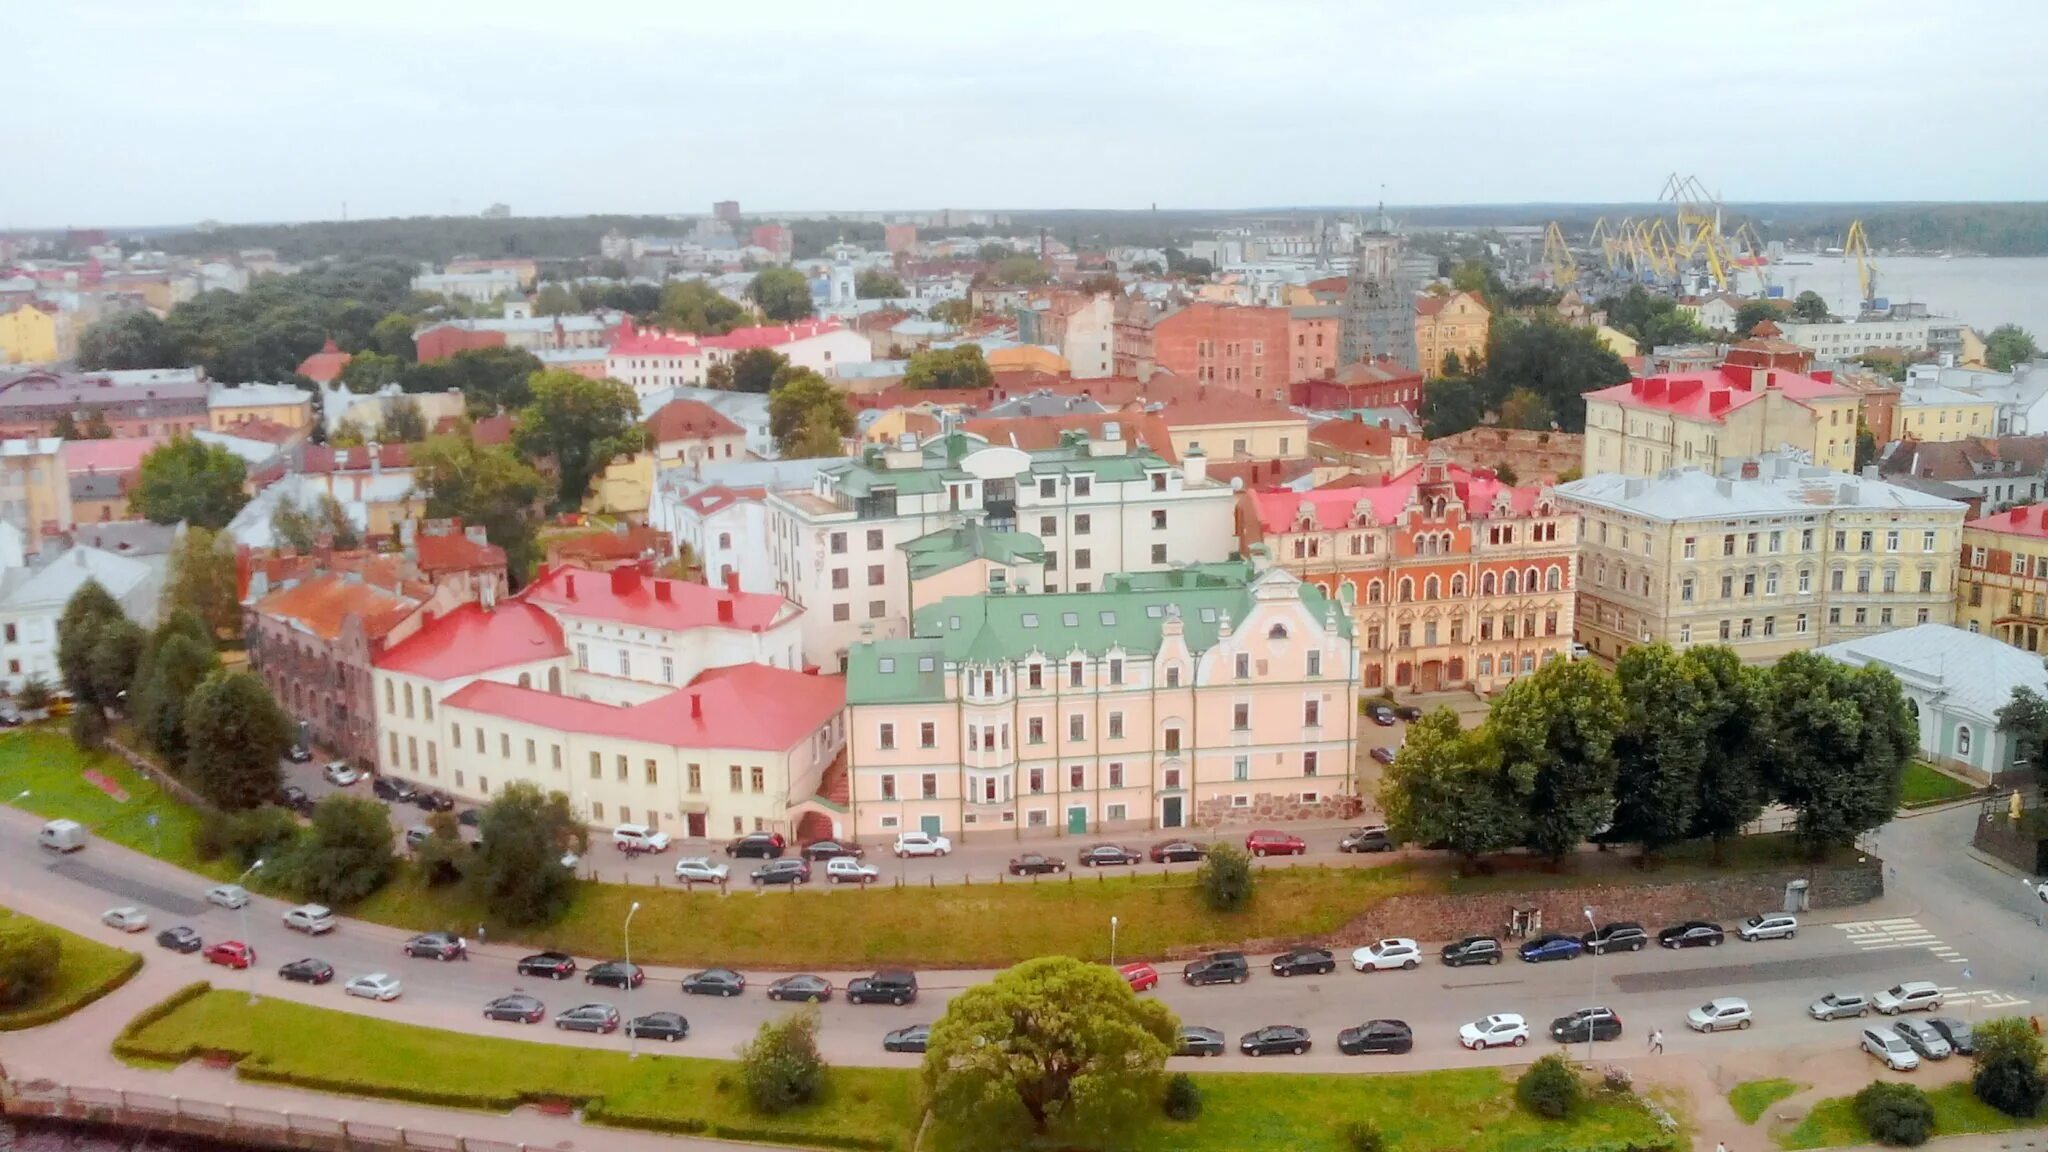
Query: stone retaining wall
x=1268, y=809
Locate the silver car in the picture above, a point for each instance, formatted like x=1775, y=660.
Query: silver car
x=1891, y=1048
x=1839, y=1006
x=1924, y=1039
x=1769, y=926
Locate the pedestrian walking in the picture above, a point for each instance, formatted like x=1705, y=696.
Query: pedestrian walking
x=1720, y=1147
x=480, y=933
x=1657, y=1049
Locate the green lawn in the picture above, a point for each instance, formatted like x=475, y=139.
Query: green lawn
x=1923, y=786
x=1832, y=1122
x=86, y=971
x=45, y=763
x=1752, y=1098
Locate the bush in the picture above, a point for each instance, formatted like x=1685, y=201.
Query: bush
x=260, y=833
x=1362, y=1136
x=2008, y=1073
x=1550, y=1088
x=1183, y=1097
x=1895, y=1114
x=29, y=954
x=780, y=1066
x=1225, y=879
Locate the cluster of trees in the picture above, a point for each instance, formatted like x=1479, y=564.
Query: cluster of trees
x=875, y=284
x=433, y=239
x=1651, y=319
x=2007, y=345
x=782, y=294
x=961, y=366
x=1535, y=374
x=1706, y=742
x=189, y=481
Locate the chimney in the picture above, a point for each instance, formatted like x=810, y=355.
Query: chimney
x=625, y=580
x=569, y=586
x=725, y=615
x=1749, y=470
x=2019, y=516
x=1195, y=468
x=663, y=591
x=696, y=706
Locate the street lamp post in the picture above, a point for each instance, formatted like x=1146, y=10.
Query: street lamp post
x=245, y=928
x=1112, y=941
x=632, y=1037
x=1592, y=985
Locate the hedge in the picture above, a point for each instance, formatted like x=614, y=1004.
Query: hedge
x=124, y=1044
x=53, y=1012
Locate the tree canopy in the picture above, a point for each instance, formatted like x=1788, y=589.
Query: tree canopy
x=126, y=340
x=1753, y=313
x=582, y=425
x=2007, y=345
x=1651, y=319
x=235, y=736
x=192, y=481
x=485, y=485
x=695, y=306
x=875, y=284
x=961, y=366
x=1810, y=307
x=754, y=369
x=807, y=415
x=1551, y=362
x=1555, y=732
x=782, y=294
x=518, y=871
x=1841, y=739
x=346, y=855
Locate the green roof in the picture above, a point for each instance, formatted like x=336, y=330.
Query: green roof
x=949, y=548
x=940, y=459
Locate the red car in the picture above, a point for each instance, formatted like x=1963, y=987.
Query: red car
x=1141, y=975
x=1266, y=842
x=230, y=953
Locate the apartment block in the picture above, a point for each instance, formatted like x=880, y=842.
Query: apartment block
x=1708, y=419
x=2002, y=581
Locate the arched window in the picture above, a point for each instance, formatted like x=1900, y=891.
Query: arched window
x=1962, y=739
x=725, y=539
x=526, y=680
x=555, y=681
x=1374, y=593
x=1347, y=593
x=1458, y=586
x=1553, y=579
x=1508, y=582
x=1372, y=675
x=1486, y=583
x=1405, y=590
x=1529, y=579
x=1432, y=588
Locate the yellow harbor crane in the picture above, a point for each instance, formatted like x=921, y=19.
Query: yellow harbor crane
x=1857, y=247
x=1564, y=267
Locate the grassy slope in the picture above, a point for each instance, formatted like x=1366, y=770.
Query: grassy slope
x=1923, y=786
x=1752, y=1098
x=86, y=971
x=45, y=763
x=1832, y=1122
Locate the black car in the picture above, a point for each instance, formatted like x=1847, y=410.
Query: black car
x=1217, y=968
x=1380, y=714
x=1472, y=950
x=307, y=971
x=783, y=872
x=1109, y=855
x=714, y=982
x=299, y=754
x=911, y=1039
x=1036, y=864
x=1193, y=1040
x=1620, y=936
x=766, y=845
x=816, y=989
x=1692, y=934
x=665, y=1026
x=832, y=850
x=295, y=798
x=1177, y=852
x=180, y=939
x=390, y=788
x=1273, y=1040
x=1371, y=838
x=1381, y=754
x=520, y=1009
x=1373, y=1037
x=438, y=946
x=553, y=965
x=1313, y=961
x=588, y=1018
x=469, y=817
x=616, y=974
x=1408, y=712
x=1956, y=1032
x=889, y=986
x=433, y=801
x=1605, y=1025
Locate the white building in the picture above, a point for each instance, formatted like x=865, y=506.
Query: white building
x=478, y=287
x=652, y=360
x=2021, y=395
x=1955, y=682
x=524, y=330
x=32, y=600
x=727, y=530
x=1840, y=341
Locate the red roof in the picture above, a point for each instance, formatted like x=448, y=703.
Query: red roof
x=2030, y=520
x=324, y=366
x=749, y=706
x=633, y=341
x=1329, y=284
x=1222, y=407
x=630, y=596
x=1336, y=507
x=489, y=430
x=471, y=640
x=118, y=455
x=718, y=497
x=321, y=604
x=1714, y=393
x=1041, y=433
x=689, y=420
x=455, y=552
x=1354, y=435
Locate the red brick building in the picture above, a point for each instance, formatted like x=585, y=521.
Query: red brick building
x=445, y=340
x=1379, y=384
x=1312, y=338
x=1241, y=349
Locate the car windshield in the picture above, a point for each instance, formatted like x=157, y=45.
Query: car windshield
x=1709, y=1008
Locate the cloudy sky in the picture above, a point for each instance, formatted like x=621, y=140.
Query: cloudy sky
x=168, y=111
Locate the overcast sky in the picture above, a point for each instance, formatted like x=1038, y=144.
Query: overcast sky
x=171, y=111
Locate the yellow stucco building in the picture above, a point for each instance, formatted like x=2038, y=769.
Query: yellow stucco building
x=1457, y=323
x=28, y=335
x=1935, y=414
x=278, y=403
x=1707, y=419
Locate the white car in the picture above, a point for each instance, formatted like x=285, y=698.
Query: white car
x=127, y=919
x=1769, y=926
x=2041, y=890
x=1891, y=1048
x=1716, y=1015
x=1911, y=996
x=1494, y=1031
x=341, y=774
x=847, y=870
x=922, y=844
x=312, y=919
x=227, y=895
x=698, y=870
x=375, y=986
x=631, y=837
x=1393, y=952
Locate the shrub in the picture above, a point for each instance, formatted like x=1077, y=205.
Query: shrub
x=29, y=953
x=1362, y=1136
x=1617, y=1079
x=2008, y=1073
x=1895, y=1114
x=780, y=1066
x=1225, y=879
x=1183, y=1097
x=1550, y=1088
x=266, y=832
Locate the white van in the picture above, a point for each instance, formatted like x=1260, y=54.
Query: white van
x=62, y=836
x=631, y=837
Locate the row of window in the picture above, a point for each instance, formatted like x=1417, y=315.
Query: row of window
x=1490, y=627
x=1510, y=583
x=1837, y=582
x=992, y=788
x=1773, y=542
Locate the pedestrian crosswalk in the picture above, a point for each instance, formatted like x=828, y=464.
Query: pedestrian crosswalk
x=1898, y=932
x=1988, y=999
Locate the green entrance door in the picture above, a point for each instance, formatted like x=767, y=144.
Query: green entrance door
x=930, y=825
x=1077, y=821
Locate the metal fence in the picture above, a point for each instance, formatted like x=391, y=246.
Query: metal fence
x=175, y=1116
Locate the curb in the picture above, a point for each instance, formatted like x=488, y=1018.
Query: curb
x=1943, y=806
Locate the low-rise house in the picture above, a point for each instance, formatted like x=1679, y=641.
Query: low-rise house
x=35, y=488
x=283, y=404
x=1999, y=472
x=1355, y=445
x=149, y=402
x=33, y=599
x=1954, y=682
x=651, y=360
x=688, y=431
x=2002, y=583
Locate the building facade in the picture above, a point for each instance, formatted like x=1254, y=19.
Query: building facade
x=2002, y=583
x=150, y=402
x=1711, y=418
x=1841, y=340
x=1379, y=301
x=1453, y=325
x=1932, y=413
x=1954, y=683
x=652, y=360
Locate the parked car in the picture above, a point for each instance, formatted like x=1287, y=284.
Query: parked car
x=375, y=986
x=698, y=870
x=1382, y=754
x=1036, y=864
x=341, y=774
x=1839, y=1005
x=1719, y=1014
x=438, y=946
x=1960, y=1039
x=890, y=986
x=1194, y=1040
x=1550, y=946
x=832, y=850
x=815, y=989
x=1572, y=1028
x=1380, y=714
x=1273, y=1040
x=430, y=801
x=1109, y=856
x=296, y=799
x=127, y=918
x=1217, y=968
x=227, y=895
x=921, y=844
x=1692, y=934
x=1371, y=838
x=1619, y=936
x=180, y=939
x=553, y=965
x=600, y=1018
x=299, y=754
x=1267, y=842
x=765, y=845
x=1891, y=1048
x=469, y=817
x=1471, y=950
x=518, y=1008
x=417, y=835
x=1375, y=1037
x=1393, y=952
x=847, y=870
x=1408, y=712
x=1177, y=852
x=1140, y=975
x=782, y=872
x=312, y=919
x=307, y=971
x=639, y=838
x=714, y=982
x=616, y=974
x=1769, y=926
x=1494, y=1031
x=1911, y=996
x=231, y=954
x=1929, y=1043
x=391, y=788
x=667, y=1027
x=915, y=1038
x=1313, y=961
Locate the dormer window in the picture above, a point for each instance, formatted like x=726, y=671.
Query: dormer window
x=1277, y=632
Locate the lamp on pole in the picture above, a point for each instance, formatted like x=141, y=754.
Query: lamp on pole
x=1592, y=983
x=632, y=1037
x=1112, y=941
x=245, y=928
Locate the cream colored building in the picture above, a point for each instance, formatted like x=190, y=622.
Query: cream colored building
x=227, y=406
x=1456, y=323
x=1934, y=413
x=35, y=488
x=1709, y=419
x=1232, y=426
x=1772, y=557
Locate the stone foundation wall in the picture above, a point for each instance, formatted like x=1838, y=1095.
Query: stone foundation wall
x=1268, y=809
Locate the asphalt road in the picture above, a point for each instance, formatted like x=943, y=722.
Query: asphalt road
x=1970, y=918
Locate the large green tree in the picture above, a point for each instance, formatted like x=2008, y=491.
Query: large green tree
x=1753, y=313
x=1555, y=363
x=518, y=871
x=492, y=380
x=403, y=423
x=2008, y=1074
x=695, y=306
x=1661, y=749
x=347, y=854
x=1651, y=319
x=807, y=415
x=302, y=528
x=582, y=425
x=1445, y=788
x=1840, y=742
x=235, y=736
x=1735, y=721
x=2007, y=345
x=392, y=336
x=484, y=485
x=1054, y=1052
x=192, y=481
x=961, y=366
x=754, y=370
x=2024, y=718
x=1555, y=732
x=203, y=580
x=172, y=670
x=1810, y=307
x=29, y=955
x=782, y=294
x=92, y=614
x=875, y=284
x=126, y=340
x=370, y=370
